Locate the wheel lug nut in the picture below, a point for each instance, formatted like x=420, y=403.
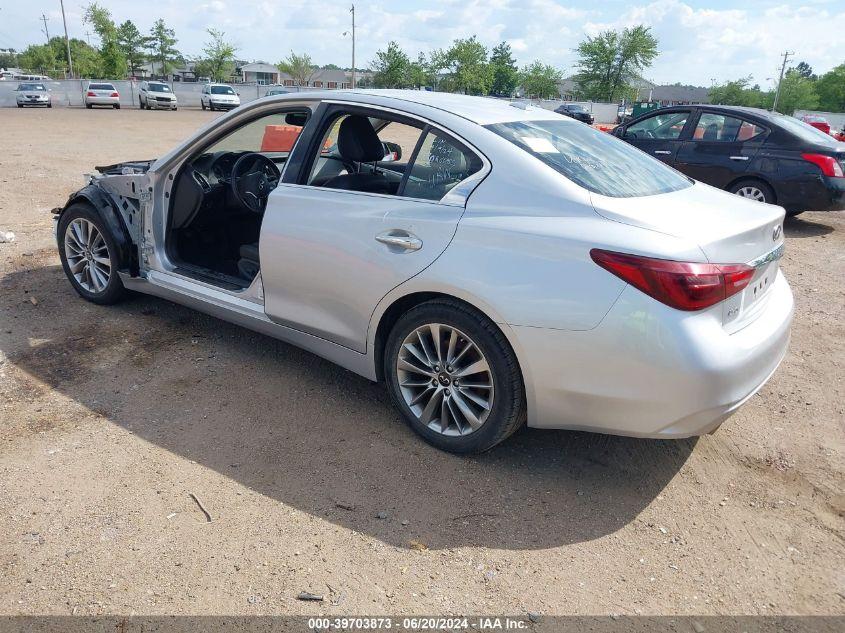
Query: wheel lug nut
x=448, y=392
x=448, y=368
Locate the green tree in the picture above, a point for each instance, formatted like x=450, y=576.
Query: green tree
x=86, y=58
x=540, y=80
x=299, y=67
x=162, y=46
x=805, y=70
x=131, y=44
x=468, y=70
x=38, y=58
x=9, y=59
x=610, y=61
x=391, y=67
x=420, y=73
x=218, y=60
x=738, y=92
x=831, y=90
x=796, y=93
x=112, y=60
x=505, y=72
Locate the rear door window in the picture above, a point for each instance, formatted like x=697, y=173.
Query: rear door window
x=725, y=129
x=440, y=164
x=594, y=160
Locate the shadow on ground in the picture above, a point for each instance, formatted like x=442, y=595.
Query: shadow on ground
x=796, y=226
x=306, y=433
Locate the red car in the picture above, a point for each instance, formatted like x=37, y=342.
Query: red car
x=818, y=122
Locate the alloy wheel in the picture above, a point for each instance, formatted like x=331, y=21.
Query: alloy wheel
x=87, y=255
x=751, y=192
x=445, y=379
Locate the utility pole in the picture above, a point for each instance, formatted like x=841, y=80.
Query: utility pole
x=44, y=19
x=353, y=46
x=786, y=55
x=67, y=40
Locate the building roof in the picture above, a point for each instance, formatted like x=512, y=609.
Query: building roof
x=259, y=67
x=683, y=94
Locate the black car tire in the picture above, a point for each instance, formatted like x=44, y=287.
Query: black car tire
x=114, y=290
x=89, y=106
x=758, y=185
x=202, y=104
x=49, y=105
x=20, y=105
x=507, y=413
x=117, y=106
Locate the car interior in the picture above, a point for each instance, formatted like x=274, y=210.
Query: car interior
x=218, y=200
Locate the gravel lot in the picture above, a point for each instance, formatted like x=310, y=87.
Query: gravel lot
x=111, y=418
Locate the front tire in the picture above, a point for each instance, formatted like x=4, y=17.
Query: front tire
x=89, y=255
x=117, y=106
x=754, y=190
x=454, y=377
x=89, y=106
x=202, y=104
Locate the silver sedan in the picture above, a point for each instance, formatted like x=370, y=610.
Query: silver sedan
x=493, y=263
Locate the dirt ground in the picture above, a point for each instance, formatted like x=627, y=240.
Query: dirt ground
x=111, y=418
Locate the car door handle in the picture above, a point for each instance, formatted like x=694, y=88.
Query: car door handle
x=662, y=152
x=739, y=157
x=402, y=240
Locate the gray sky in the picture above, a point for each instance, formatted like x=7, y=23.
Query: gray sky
x=699, y=41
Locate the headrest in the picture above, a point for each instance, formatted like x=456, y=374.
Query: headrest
x=357, y=140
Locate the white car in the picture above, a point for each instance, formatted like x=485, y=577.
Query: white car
x=102, y=94
x=491, y=263
x=219, y=97
x=33, y=94
x=156, y=95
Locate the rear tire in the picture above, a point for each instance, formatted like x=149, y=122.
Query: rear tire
x=202, y=104
x=49, y=105
x=89, y=255
x=117, y=106
x=464, y=395
x=89, y=106
x=754, y=190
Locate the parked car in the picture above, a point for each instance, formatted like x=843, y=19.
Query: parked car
x=490, y=264
x=156, y=95
x=219, y=97
x=102, y=94
x=33, y=94
x=577, y=112
x=753, y=153
x=818, y=122
x=272, y=92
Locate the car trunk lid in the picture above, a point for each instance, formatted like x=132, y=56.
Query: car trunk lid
x=728, y=229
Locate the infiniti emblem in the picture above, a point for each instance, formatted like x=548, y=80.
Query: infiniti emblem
x=776, y=233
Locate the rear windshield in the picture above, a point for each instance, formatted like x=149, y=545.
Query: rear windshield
x=31, y=87
x=806, y=132
x=100, y=87
x=159, y=88
x=222, y=90
x=595, y=160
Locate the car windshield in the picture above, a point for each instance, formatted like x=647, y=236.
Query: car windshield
x=806, y=132
x=595, y=160
x=222, y=90
x=32, y=87
x=100, y=87
x=160, y=88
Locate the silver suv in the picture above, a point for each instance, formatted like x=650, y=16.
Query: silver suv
x=156, y=94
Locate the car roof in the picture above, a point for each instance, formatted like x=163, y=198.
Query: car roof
x=480, y=110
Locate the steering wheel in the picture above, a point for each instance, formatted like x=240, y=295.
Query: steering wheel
x=254, y=176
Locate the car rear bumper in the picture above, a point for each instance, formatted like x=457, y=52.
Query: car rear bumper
x=111, y=101
x=817, y=193
x=648, y=370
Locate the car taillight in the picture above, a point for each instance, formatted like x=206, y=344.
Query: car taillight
x=91, y=94
x=828, y=164
x=681, y=285
x=114, y=94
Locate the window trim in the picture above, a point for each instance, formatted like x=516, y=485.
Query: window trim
x=455, y=197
